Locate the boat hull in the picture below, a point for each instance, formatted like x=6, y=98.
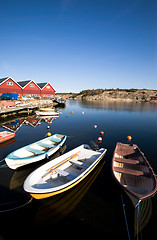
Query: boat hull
x=14, y=162
x=133, y=172
x=40, y=193
x=40, y=113
x=5, y=136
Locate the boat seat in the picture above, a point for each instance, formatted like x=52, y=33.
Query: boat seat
x=55, y=139
x=62, y=172
x=65, y=174
x=35, y=151
x=46, y=145
x=131, y=172
x=79, y=163
x=129, y=161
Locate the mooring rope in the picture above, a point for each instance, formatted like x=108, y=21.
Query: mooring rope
x=125, y=218
x=15, y=208
x=3, y=165
x=138, y=206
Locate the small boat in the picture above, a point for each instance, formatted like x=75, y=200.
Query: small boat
x=5, y=136
x=133, y=172
x=47, y=112
x=47, y=109
x=35, y=152
x=63, y=173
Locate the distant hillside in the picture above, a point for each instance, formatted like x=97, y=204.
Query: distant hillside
x=114, y=94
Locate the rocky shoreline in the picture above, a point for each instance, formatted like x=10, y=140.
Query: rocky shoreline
x=127, y=95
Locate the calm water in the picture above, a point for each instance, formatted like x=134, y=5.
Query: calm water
x=94, y=207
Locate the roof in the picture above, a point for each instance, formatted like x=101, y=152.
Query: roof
x=3, y=79
x=6, y=78
x=24, y=83
x=41, y=85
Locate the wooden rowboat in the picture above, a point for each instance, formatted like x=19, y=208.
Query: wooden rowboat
x=35, y=152
x=133, y=172
x=5, y=136
x=63, y=173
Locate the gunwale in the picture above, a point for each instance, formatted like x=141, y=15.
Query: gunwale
x=34, y=154
x=136, y=174
x=48, y=192
x=6, y=135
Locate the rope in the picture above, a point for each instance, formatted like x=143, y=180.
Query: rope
x=15, y=208
x=125, y=218
x=3, y=165
x=138, y=205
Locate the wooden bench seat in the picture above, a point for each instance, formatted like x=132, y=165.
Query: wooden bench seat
x=46, y=145
x=131, y=172
x=33, y=150
x=129, y=161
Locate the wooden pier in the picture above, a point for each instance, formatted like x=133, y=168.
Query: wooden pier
x=17, y=110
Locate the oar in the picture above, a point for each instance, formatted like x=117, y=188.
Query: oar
x=60, y=164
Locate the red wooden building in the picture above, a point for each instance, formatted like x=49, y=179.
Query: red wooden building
x=29, y=88
x=26, y=88
x=46, y=90
x=8, y=85
x=153, y=98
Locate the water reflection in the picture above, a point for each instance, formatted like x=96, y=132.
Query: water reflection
x=57, y=207
x=120, y=106
x=145, y=213
x=8, y=142
x=32, y=121
x=20, y=174
x=100, y=209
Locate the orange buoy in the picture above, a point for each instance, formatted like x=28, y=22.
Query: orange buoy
x=99, y=139
x=48, y=134
x=101, y=133
x=72, y=112
x=95, y=126
x=129, y=138
x=50, y=122
x=39, y=123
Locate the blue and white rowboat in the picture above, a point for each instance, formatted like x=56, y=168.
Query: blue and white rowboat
x=35, y=151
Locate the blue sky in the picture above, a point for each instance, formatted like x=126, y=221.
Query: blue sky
x=80, y=44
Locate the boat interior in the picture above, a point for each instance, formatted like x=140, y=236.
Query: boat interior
x=69, y=170
x=38, y=148
x=131, y=170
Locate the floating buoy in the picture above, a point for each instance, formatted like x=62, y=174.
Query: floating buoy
x=48, y=134
x=99, y=139
x=72, y=112
x=45, y=120
x=129, y=138
x=95, y=126
x=50, y=123
x=85, y=108
x=48, y=127
x=101, y=133
x=39, y=123
x=54, y=118
x=82, y=112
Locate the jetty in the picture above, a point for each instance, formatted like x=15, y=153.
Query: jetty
x=16, y=110
x=24, y=108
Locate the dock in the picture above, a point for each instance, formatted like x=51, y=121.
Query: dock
x=18, y=109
